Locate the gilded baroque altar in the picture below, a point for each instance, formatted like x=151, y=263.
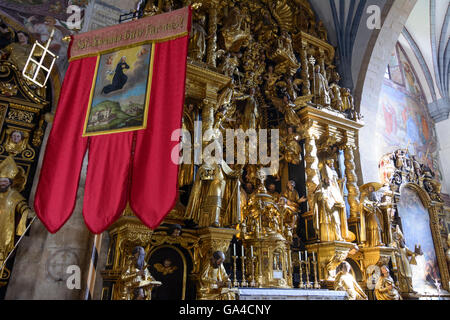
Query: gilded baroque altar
x=256, y=65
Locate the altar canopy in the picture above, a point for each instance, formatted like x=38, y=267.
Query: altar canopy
x=121, y=99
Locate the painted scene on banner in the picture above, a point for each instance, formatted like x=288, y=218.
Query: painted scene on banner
x=416, y=227
x=122, y=88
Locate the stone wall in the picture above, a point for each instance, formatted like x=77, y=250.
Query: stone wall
x=40, y=268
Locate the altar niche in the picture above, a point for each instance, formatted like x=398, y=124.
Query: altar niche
x=167, y=263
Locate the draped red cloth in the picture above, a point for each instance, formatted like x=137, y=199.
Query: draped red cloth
x=134, y=167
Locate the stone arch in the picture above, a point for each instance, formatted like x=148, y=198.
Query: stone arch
x=370, y=80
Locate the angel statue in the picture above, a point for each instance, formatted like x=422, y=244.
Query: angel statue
x=289, y=109
x=234, y=37
x=166, y=267
x=346, y=282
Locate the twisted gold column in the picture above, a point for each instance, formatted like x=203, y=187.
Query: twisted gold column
x=311, y=166
x=352, y=180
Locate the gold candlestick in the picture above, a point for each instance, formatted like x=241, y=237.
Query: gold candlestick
x=308, y=284
x=235, y=281
x=316, y=283
x=243, y=282
x=253, y=282
x=301, y=285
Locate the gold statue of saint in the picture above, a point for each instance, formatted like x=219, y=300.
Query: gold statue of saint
x=250, y=117
x=11, y=203
x=320, y=88
x=335, y=92
x=271, y=78
x=214, y=283
x=405, y=258
x=292, y=203
x=186, y=169
x=385, y=288
x=330, y=218
x=197, y=42
x=346, y=282
x=348, y=105
x=372, y=221
x=136, y=282
x=209, y=198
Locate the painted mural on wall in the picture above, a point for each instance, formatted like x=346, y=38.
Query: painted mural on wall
x=416, y=229
x=411, y=82
x=403, y=120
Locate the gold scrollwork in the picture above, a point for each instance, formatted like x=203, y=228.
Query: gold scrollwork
x=19, y=115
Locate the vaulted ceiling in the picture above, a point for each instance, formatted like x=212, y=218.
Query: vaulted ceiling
x=425, y=39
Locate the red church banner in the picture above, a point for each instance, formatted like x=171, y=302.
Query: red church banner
x=121, y=99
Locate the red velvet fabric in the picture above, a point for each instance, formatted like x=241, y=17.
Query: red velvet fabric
x=60, y=173
x=131, y=166
x=154, y=182
x=107, y=180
